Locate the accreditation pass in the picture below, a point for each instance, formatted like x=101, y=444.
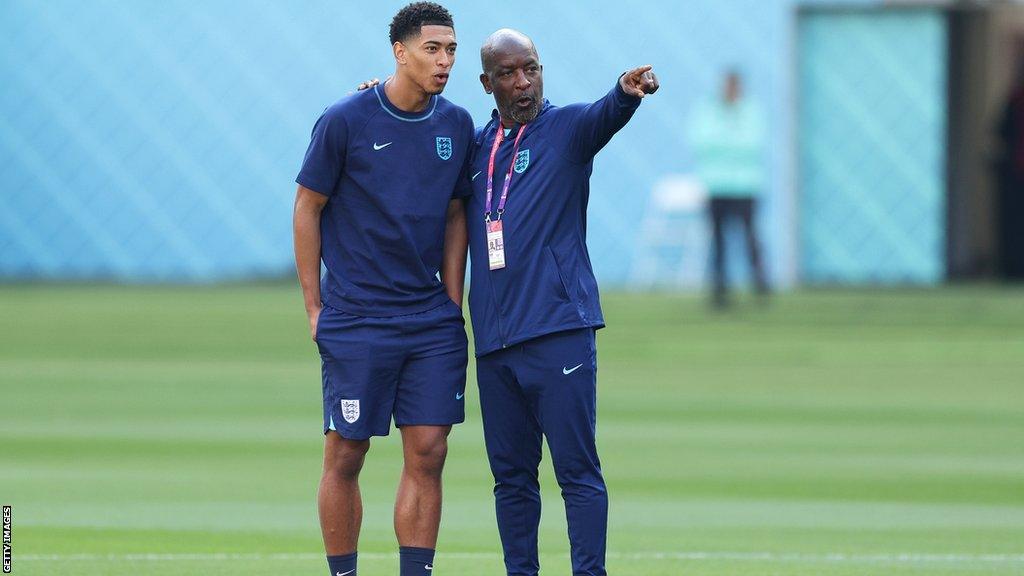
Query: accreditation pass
x=495, y=245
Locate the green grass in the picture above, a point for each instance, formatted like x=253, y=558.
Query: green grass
x=832, y=433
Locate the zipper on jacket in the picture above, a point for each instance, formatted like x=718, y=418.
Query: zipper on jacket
x=490, y=279
x=497, y=311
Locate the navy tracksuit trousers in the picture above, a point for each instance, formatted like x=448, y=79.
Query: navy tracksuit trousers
x=545, y=387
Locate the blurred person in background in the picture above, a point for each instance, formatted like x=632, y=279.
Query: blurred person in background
x=379, y=202
x=1011, y=179
x=727, y=135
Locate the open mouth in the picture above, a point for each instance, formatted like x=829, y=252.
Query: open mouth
x=441, y=78
x=524, y=102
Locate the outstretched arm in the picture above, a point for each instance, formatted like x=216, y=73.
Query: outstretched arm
x=598, y=122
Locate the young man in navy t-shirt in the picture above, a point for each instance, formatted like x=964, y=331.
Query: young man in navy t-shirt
x=379, y=202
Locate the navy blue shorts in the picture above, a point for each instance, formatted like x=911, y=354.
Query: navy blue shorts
x=411, y=368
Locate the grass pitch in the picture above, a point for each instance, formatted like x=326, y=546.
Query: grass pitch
x=158, y=431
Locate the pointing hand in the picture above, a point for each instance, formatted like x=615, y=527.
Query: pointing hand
x=639, y=82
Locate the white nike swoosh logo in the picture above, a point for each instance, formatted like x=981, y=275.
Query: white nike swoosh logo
x=459, y=396
x=344, y=573
x=475, y=175
x=571, y=370
x=428, y=567
x=378, y=147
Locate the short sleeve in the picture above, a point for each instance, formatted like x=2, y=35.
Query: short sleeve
x=325, y=157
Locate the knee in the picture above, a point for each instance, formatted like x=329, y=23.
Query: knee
x=519, y=481
x=427, y=458
x=344, y=458
x=588, y=489
x=513, y=471
x=580, y=475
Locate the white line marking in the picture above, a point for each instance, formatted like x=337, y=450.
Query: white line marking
x=838, y=557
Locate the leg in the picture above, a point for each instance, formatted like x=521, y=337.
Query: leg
x=1001, y=216
x=513, y=439
x=567, y=409
x=1014, y=225
x=753, y=246
x=717, y=210
x=358, y=391
x=418, y=504
x=429, y=400
x=338, y=499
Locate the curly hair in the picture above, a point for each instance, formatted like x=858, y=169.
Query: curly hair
x=410, y=19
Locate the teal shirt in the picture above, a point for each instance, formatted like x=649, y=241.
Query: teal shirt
x=729, y=142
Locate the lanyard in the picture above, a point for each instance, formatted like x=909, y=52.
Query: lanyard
x=499, y=135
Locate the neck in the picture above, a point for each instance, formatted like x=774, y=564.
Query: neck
x=405, y=95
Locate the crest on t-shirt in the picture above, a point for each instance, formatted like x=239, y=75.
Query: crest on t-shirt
x=444, y=147
x=522, y=161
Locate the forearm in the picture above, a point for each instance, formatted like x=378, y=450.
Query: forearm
x=599, y=121
x=456, y=242
x=306, y=230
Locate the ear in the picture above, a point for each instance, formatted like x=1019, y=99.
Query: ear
x=399, y=51
x=486, y=81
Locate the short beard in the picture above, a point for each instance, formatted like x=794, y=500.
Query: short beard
x=524, y=116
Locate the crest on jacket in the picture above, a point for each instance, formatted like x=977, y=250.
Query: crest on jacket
x=522, y=161
x=444, y=147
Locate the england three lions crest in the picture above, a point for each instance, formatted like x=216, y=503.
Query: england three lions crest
x=522, y=161
x=444, y=147
x=350, y=410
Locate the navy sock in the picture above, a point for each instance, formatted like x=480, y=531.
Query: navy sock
x=415, y=561
x=342, y=565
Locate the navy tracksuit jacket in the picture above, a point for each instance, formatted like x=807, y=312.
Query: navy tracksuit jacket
x=534, y=324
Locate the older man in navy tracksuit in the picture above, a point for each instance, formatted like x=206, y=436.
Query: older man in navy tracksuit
x=533, y=296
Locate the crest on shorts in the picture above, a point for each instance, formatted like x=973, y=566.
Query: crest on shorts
x=522, y=161
x=444, y=147
x=350, y=410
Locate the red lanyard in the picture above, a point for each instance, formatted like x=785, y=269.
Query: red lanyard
x=508, y=177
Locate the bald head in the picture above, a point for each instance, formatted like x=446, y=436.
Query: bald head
x=503, y=42
x=513, y=73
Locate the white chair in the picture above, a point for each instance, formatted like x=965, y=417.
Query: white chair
x=672, y=250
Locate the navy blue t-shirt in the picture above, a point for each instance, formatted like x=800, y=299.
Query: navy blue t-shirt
x=389, y=176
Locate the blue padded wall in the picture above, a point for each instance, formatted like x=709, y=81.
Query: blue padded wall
x=872, y=146
x=157, y=140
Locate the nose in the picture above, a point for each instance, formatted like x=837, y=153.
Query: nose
x=446, y=60
x=522, y=82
